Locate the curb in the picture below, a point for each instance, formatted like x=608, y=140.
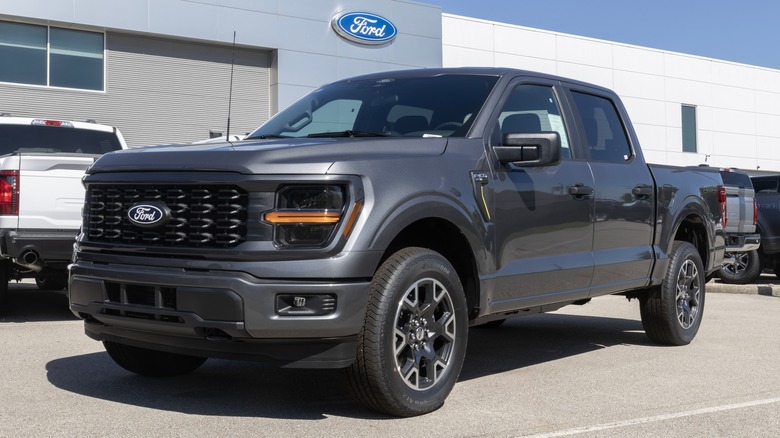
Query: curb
x=766, y=285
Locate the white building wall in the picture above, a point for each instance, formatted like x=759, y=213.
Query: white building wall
x=737, y=106
x=308, y=53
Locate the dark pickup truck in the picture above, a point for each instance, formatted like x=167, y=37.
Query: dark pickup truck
x=372, y=222
x=767, y=188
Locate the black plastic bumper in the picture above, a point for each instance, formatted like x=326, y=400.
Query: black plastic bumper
x=49, y=245
x=224, y=314
x=742, y=242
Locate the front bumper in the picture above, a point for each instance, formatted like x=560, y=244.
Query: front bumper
x=225, y=314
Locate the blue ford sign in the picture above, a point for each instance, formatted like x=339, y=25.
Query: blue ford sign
x=364, y=27
x=145, y=215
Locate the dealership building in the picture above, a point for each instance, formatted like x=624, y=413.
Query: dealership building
x=162, y=71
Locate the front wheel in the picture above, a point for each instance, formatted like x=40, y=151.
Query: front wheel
x=740, y=267
x=151, y=363
x=672, y=312
x=412, y=345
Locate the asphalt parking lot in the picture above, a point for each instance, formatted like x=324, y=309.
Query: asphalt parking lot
x=585, y=371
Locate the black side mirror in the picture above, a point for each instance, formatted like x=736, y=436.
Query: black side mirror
x=537, y=149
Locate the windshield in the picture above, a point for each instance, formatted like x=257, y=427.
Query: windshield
x=434, y=106
x=49, y=139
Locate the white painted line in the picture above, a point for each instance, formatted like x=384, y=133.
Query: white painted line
x=645, y=420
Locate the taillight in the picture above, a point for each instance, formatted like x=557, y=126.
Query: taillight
x=755, y=212
x=722, y=203
x=9, y=192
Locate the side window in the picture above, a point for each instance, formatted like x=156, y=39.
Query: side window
x=604, y=133
x=532, y=109
x=768, y=186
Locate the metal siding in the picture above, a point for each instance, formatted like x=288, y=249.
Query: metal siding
x=160, y=91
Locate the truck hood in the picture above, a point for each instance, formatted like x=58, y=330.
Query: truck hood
x=280, y=156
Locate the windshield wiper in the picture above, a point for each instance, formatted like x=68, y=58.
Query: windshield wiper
x=349, y=133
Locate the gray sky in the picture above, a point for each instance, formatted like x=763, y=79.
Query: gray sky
x=745, y=31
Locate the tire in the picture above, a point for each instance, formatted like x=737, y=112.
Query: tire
x=52, y=281
x=672, y=312
x=741, y=268
x=412, y=344
x=151, y=363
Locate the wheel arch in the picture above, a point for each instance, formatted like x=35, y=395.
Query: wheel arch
x=695, y=223
x=443, y=228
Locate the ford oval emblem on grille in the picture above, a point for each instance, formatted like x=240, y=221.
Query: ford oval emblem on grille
x=364, y=28
x=148, y=215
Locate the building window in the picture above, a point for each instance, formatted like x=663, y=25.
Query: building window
x=689, y=128
x=51, y=56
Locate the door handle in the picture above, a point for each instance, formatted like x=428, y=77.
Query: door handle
x=580, y=190
x=642, y=192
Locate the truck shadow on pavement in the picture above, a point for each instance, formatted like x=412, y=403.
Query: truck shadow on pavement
x=24, y=302
x=245, y=389
x=536, y=339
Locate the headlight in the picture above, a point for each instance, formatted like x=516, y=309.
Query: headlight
x=306, y=215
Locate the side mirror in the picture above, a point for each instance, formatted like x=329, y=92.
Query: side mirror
x=537, y=149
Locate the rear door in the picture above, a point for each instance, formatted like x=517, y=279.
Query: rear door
x=624, y=193
x=543, y=215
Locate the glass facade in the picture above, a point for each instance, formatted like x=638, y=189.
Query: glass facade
x=51, y=56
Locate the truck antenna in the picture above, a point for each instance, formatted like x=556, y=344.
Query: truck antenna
x=230, y=93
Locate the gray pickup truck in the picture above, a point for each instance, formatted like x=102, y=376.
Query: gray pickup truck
x=371, y=223
x=741, y=263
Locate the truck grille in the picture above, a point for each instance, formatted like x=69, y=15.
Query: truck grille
x=203, y=216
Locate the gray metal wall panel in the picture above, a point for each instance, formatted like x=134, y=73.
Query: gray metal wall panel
x=160, y=91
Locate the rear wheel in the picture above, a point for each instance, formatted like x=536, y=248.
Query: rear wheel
x=740, y=267
x=52, y=280
x=412, y=345
x=151, y=363
x=672, y=312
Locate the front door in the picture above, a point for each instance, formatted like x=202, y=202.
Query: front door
x=544, y=216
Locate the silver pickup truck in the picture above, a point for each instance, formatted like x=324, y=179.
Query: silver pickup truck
x=42, y=162
x=741, y=263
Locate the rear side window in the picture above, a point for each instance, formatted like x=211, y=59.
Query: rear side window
x=736, y=179
x=765, y=186
x=605, y=136
x=50, y=139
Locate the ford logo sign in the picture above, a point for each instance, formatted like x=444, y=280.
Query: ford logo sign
x=148, y=215
x=364, y=28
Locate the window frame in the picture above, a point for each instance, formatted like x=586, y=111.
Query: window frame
x=582, y=135
x=48, y=28
x=493, y=128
